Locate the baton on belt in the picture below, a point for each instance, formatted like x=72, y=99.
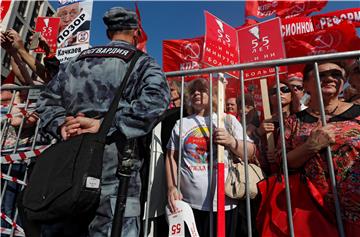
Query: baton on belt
x=125, y=168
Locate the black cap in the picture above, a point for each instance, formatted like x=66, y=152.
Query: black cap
x=119, y=18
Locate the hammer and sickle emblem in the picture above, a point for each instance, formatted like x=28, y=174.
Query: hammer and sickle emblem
x=324, y=42
x=191, y=51
x=298, y=8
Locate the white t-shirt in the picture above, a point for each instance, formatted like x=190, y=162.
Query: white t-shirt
x=195, y=180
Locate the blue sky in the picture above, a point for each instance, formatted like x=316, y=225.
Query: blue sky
x=179, y=19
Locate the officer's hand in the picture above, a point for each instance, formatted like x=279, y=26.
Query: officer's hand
x=67, y=131
x=81, y=124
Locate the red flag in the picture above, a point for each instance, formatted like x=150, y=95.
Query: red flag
x=259, y=8
x=143, y=37
x=283, y=9
x=298, y=8
x=338, y=38
x=329, y=19
x=4, y=7
x=183, y=54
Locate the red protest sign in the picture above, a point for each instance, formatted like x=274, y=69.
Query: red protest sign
x=330, y=19
x=4, y=7
x=261, y=42
x=48, y=27
x=221, y=45
x=182, y=54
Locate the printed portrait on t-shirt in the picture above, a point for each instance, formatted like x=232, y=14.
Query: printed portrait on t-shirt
x=196, y=144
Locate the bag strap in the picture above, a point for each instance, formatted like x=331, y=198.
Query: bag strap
x=108, y=119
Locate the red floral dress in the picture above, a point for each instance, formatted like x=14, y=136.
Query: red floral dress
x=345, y=156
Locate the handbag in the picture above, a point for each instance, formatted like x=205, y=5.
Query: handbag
x=235, y=182
x=65, y=180
x=310, y=218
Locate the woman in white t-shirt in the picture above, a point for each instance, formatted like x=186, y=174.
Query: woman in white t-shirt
x=195, y=179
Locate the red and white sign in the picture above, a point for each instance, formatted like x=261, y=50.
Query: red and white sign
x=296, y=26
x=182, y=54
x=48, y=27
x=330, y=19
x=4, y=7
x=261, y=42
x=221, y=44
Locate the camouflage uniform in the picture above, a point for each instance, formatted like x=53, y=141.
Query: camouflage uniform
x=88, y=86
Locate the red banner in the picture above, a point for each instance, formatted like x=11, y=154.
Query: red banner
x=48, y=27
x=298, y=8
x=338, y=38
x=260, y=9
x=296, y=26
x=221, y=44
x=182, y=54
x=4, y=7
x=142, y=40
x=329, y=19
x=283, y=9
x=261, y=42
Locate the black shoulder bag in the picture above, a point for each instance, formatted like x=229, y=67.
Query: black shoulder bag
x=65, y=181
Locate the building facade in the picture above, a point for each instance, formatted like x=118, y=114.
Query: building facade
x=21, y=17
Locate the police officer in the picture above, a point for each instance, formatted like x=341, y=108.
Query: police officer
x=75, y=101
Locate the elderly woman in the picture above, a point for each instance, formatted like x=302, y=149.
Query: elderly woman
x=195, y=180
x=306, y=141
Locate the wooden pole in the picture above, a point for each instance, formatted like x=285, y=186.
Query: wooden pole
x=267, y=112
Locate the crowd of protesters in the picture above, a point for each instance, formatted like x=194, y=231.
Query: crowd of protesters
x=65, y=112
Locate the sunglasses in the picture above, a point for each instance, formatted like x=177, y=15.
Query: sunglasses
x=297, y=87
x=283, y=89
x=334, y=73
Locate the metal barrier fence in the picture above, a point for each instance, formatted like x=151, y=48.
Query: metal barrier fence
x=19, y=142
x=19, y=130
x=276, y=64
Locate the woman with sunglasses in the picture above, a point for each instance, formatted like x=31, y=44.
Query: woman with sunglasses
x=194, y=169
x=290, y=104
x=306, y=141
